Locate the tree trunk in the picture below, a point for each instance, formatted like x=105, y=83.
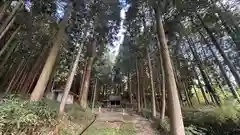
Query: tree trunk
x=9, y=41
x=14, y=76
x=129, y=88
x=9, y=18
x=84, y=96
x=7, y=28
x=201, y=87
x=189, y=102
x=46, y=72
x=204, y=75
x=176, y=120
x=69, y=81
x=94, y=95
x=231, y=87
x=143, y=85
x=152, y=86
x=138, y=88
x=163, y=89
x=217, y=45
x=82, y=79
x=10, y=51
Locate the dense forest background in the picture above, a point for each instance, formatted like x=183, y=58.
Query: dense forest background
x=177, y=59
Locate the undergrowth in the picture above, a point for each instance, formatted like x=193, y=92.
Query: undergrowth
x=224, y=120
x=18, y=116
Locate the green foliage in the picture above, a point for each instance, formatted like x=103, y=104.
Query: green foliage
x=125, y=129
x=20, y=116
x=218, y=120
x=193, y=130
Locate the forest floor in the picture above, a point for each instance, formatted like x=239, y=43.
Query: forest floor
x=118, y=123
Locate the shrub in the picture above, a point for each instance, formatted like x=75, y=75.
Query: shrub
x=18, y=116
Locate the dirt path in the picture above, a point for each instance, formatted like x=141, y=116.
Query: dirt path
x=116, y=122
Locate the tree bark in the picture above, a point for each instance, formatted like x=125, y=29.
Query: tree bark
x=201, y=87
x=7, y=28
x=138, y=88
x=163, y=109
x=152, y=86
x=14, y=76
x=9, y=18
x=94, y=95
x=9, y=41
x=84, y=96
x=69, y=81
x=129, y=88
x=10, y=51
x=82, y=79
x=176, y=120
x=46, y=72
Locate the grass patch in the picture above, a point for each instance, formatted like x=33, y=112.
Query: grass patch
x=125, y=129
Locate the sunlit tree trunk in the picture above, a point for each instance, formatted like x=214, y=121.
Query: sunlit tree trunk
x=47, y=70
x=69, y=81
x=152, y=85
x=200, y=86
x=176, y=120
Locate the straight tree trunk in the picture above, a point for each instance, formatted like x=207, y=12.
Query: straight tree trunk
x=144, y=86
x=176, y=120
x=152, y=86
x=204, y=75
x=201, y=87
x=231, y=87
x=47, y=70
x=84, y=96
x=138, y=88
x=217, y=45
x=7, y=28
x=163, y=89
x=14, y=76
x=196, y=94
x=9, y=18
x=94, y=95
x=10, y=51
x=129, y=88
x=82, y=79
x=69, y=81
x=9, y=41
